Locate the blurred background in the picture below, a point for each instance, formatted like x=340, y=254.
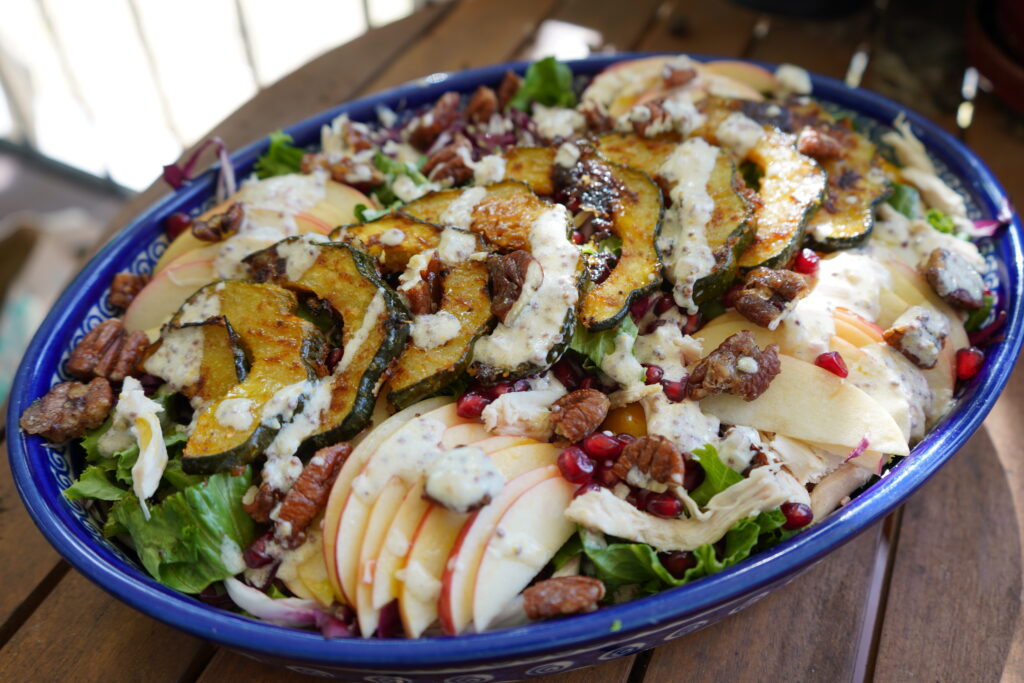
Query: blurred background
x=95, y=97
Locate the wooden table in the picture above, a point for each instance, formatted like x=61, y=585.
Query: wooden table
x=933, y=593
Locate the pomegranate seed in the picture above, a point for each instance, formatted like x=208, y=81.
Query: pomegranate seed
x=968, y=362
x=507, y=388
x=693, y=475
x=677, y=562
x=601, y=445
x=638, y=309
x=638, y=498
x=177, y=223
x=587, y=488
x=806, y=262
x=566, y=372
x=256, y=554
x=729, y=298
x=471, y=405
x=578, y=237
x=693, y=323
x=333, y=358
x=575, y=465
x=665, y=303
x=653, y=374
x=798, y=515
x=833, y=362
x=587, y=382
x=603, y=474
x=663, y=505
x=674, y=391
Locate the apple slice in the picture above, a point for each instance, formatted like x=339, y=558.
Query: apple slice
x=855, y=328
x=352, y=467
x=167, y=291
x=385, y=507
x=417, y=601
x=497, y=443
x=525, y=539
x=455, y=604
x=756, y=77
x=809, y=403
x=464, y=434
x=915, y=290
x=397, y=540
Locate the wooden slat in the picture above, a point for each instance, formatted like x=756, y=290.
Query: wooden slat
x=81, y=633
x=955, y=592
x=622, y=24
x=808, y=630
x=27, y=558
x=713, y=28
x=800, y=41
x=227, y=665
x=326, y=81
x=475, y=33
x=997, y=136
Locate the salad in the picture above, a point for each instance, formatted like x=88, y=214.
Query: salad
x=525, y=353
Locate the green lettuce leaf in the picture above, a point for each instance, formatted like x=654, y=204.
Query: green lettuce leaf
x=547, y=81
x=181, y=544
x=281, y=157
x=94, y=484
x=717, y=475
x=594, y=346
x=905, y=199
x=940, y=221
x=977, y=318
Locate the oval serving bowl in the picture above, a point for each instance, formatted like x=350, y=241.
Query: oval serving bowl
x=537, y=649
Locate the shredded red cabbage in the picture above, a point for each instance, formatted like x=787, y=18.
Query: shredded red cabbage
x=858, y=451
x=177, y=175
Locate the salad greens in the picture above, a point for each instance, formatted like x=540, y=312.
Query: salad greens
x=940, y=221
x=905, y=199
x=548, y=82
x=281, y=158
x=717, y=475
x=594, y=346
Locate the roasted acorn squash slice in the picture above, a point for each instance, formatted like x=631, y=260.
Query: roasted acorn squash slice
x=501, y=213
x=375, y=325
x=202, y=360
x=283, y=350
x=392, y=239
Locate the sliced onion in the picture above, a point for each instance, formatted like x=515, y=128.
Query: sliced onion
x=177, y=175
x=858, y=451
x=282, y=611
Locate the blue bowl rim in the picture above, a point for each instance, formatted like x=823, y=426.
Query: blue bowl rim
x=768, y=568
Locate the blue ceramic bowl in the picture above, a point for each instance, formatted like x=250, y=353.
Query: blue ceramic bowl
x=41, y=473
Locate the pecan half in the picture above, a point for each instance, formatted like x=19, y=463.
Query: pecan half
x=124, y=287
x=69, y=410
x=451, y=163
x=482, y=105
x=597, y=118
x=655, y=458
x=360, y=174
x=736, y=367
x=425, y=296
x=508, y=274
x=510, y=85
x=768, y=294
x=579, y=413
x=818, y=144
x=562, y=596
x=262, y=504
x=219, y=226
x=677, y=78
x=108, y=350
x=954, y=279
x=919, y=334
x=426, y=128
x=309, y=493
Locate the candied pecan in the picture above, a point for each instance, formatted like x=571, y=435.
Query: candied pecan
x=425, y=296
x=736, y=367
x=482, y=105
x=451, y=163
x=562, y=596
x=124, y=287
x=219, y=226
x=108, y=350
x=260, y=507
x=954, y=279
x=919, y=334
x=309, y=493
x=818, y=144
x=69, y=410
x=597, y=118
x=767, y=295
x=508, y=273
x=677, y=78
x=759, y=459
x=510, y=85
x=427, y=127
x=579, y=413
x=359, y=173
x=650, y=119
x=654, y=457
